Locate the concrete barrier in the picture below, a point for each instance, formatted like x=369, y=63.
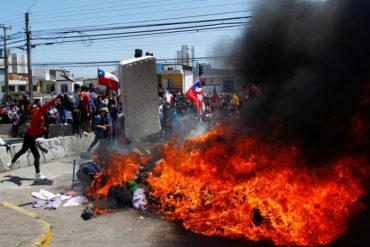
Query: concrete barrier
x=58, y=147
x=55, y=130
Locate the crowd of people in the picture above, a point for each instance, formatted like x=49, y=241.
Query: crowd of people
x=88, y=110
x=179, y=115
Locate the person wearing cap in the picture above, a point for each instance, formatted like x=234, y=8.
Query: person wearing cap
x=36, y=129
x=101, y=125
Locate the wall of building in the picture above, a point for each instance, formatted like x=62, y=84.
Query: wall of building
x=172, y=81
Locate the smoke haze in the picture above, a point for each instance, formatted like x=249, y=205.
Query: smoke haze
x=312, y=62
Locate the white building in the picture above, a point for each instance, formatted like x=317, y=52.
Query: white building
x=53, y=80
x=17, y=74
x=176, y=77
x=17, y=63
x=186, y=55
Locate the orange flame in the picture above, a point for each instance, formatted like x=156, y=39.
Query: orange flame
x=119, y=171
x=239, y=188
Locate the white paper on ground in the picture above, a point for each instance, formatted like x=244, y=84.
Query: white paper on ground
x=46, y=195
x=76, y=201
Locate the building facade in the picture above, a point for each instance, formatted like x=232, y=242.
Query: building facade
x=185, y=56
x=175, y=77
x=53, y=81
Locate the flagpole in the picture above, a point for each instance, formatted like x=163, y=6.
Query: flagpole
x=97, y=76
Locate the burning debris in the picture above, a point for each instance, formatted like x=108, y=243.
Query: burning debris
x=297, y=172
x=113, y=186
x=236, y=187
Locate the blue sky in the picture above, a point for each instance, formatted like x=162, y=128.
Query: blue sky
x=49, y=17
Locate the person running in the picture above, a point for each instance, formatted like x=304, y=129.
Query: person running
x=101, y=126
x=36, y=129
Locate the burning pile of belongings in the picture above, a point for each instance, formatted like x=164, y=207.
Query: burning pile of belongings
x=115, y=184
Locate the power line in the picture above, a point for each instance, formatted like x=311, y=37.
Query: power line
x=114, y=8
x=143, y=21
x=138, y=35
x=86, y=63
x=222, y=20
x=136, y=14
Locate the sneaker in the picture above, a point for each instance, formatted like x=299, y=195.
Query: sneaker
x=39, y=176
x=10, y=165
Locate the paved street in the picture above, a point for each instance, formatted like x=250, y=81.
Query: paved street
x=125, y=228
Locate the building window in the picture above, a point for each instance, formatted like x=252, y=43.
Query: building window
x=64, y=88
x=11, y=88
x=50, y=88
x=53, y=75
x=35, y=88
x=21, y=88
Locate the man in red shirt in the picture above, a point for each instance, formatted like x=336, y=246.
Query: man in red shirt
x=35, y=130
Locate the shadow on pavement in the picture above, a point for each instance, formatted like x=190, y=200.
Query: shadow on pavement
x=15, y=179
x=42, y=182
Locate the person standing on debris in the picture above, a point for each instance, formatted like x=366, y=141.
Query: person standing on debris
x=36, y=129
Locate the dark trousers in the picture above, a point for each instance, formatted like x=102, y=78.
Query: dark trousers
x=29, y=143
x=95, y=141
x=76, y=121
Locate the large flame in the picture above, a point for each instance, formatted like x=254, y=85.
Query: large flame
x=119, y=170
x=233, y=186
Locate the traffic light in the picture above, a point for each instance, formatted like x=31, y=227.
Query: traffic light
x=201, y=69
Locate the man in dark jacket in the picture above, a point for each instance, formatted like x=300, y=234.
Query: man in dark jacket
x=35, y=130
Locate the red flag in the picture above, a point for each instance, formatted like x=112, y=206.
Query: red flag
x=107, y=79
x=193, y=93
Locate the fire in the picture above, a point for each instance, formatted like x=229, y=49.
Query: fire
x=234, y=186
x=118, y=172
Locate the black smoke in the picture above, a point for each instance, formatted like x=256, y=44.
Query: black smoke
x=312, y=61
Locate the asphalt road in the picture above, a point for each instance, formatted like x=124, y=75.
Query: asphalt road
x=124, y=228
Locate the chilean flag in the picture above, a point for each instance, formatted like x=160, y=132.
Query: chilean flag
x=193, y=94
x=107, y=79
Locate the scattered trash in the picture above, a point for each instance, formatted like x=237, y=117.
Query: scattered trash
x=48, y=199
x=43, y=194
x=139, y=199
x=54, y=202
x=120, y=196
x=132, y=186
x=76, y=201
x=38, y=203
x=88, y=212
x=72, y=193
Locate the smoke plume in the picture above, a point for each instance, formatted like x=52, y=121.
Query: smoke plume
x=312, y=61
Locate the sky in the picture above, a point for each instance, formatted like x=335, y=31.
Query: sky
x=102, y=32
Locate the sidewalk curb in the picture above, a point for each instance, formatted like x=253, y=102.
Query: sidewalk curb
x=45, y=238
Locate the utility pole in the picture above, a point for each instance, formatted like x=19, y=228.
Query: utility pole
x=6, y=77
x=29, y=62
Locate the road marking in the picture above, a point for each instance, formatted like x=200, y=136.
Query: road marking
x=45, y=238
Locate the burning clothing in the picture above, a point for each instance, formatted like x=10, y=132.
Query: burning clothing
x=86, y=174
